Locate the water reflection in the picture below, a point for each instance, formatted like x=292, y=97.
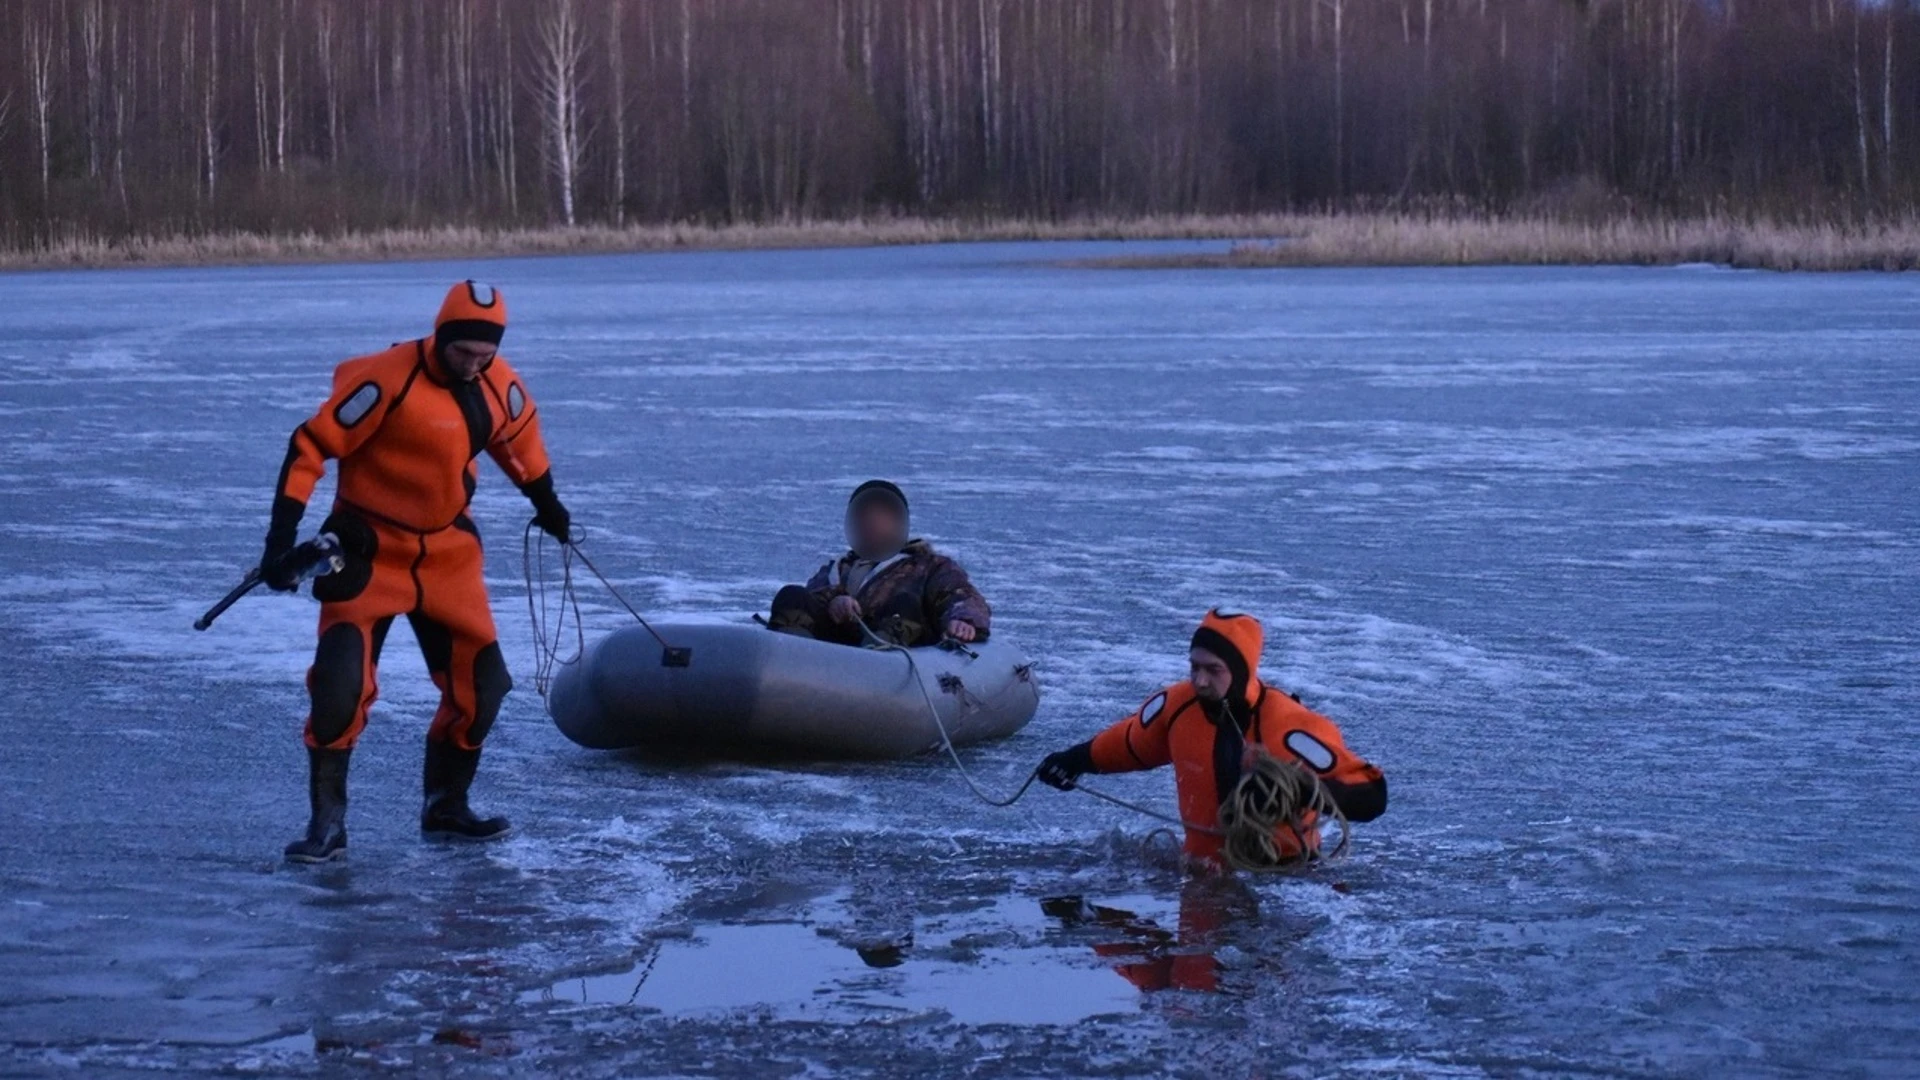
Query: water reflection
x=1153, y=958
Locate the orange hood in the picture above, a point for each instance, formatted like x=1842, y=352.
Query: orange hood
x=1238, y=640
x=472, y=311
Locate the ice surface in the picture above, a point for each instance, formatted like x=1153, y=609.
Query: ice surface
x=1614, y=572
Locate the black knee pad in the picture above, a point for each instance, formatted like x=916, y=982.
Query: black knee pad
x=338, y=672
x=491, y=682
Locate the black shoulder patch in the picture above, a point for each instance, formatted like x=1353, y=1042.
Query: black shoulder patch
x=358, y=405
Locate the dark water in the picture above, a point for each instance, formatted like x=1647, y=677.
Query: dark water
x=1613, y=571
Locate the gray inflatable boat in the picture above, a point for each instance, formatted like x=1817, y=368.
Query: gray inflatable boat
x=748, y=691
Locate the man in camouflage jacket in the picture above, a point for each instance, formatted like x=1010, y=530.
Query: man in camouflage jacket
x=908, y=593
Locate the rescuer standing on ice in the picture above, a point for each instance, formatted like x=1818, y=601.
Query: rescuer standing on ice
x=407, y=426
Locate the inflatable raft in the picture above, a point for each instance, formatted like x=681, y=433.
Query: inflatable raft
x=744, y=690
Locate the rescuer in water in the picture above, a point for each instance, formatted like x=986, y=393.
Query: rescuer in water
x=1205, y=728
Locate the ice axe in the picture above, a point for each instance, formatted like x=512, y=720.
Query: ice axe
x=317, y=557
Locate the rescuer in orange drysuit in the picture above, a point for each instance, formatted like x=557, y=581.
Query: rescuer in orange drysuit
x=1205, y=726
x=407, y=426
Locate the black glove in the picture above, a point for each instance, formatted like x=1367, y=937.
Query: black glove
x=548, y=513
x=275, y=568
x=1061, y=769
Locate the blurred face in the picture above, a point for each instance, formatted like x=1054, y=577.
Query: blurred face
x=876, y=526
x=465, y=360
x=1211, y=677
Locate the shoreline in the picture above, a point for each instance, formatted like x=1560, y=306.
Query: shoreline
x=1362, y=239
x=474, y=242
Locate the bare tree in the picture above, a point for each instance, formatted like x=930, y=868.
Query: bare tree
x=617, y=106
x=209, y=94
x=124, y=74
x=282, y=107
x=1886, y=106
x=560, y=52
x=500, y=128
x=1860, y=109
x=460, y=47
x=92, y=40
x=325, y=26
x=686, y=62
x=6, y=113
x=38, y=43
x=262, y=113
x=1339, y=10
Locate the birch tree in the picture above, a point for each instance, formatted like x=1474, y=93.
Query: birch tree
x=37, y=42
x=560, y=52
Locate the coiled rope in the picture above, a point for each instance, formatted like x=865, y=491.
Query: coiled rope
x=547, y=643
x=1271, y=796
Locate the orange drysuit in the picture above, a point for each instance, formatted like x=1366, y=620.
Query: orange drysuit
x=407, y=435
x=1207, y=745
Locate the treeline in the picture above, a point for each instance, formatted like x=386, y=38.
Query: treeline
x=191, y=116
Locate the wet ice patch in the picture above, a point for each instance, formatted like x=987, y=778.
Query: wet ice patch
x=608, y=872
x=969, y=969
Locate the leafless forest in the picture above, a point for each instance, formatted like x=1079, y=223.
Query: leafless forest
x=182, y=117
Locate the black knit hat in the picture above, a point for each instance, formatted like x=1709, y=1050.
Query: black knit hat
x=884, y=489
x=882, y=493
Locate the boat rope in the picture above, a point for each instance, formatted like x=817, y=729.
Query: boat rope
x=549, y=635
x=875, y=641
x=548, y=639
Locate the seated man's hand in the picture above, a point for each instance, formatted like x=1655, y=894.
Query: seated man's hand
x=961, y=630
x=843, y=609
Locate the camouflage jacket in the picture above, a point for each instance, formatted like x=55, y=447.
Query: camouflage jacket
x=940, y=584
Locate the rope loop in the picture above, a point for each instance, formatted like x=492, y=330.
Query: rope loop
x=1272, y=798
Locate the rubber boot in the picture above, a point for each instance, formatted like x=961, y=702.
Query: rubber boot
x=444, y=813
x=900, y=622
x=793, y=612
x=326, y=838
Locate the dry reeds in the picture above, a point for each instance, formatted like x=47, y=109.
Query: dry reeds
x=1388, y=239
x=1267, y=240
x=240, y=248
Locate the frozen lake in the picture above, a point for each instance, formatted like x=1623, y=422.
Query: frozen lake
x=1613, y=571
